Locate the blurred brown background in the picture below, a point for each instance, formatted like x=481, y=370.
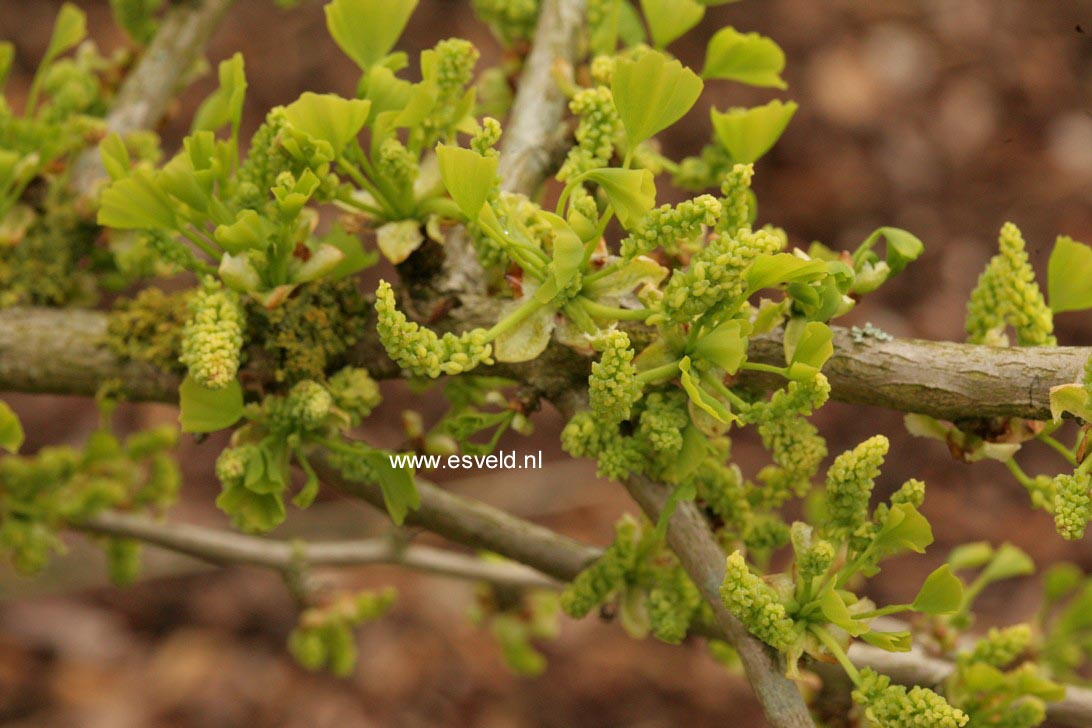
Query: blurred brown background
x=944, y=117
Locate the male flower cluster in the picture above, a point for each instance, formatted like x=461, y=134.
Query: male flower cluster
x=1007, y=295
x=213, y=336
x=1072, y=504
x=755, y=603
x=850, y=480
x=666, y=225
x=613, y=388
x=419, y=350
x=893, y=706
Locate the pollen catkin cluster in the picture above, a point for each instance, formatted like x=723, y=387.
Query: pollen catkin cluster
x=419, y=350
x=355, y=392
x=893, y=706
x=596, y=131
x=1007, y=295
x=665, y=225
x=755, y=603
x=213, y=336
x=307, y=405
x=1072, y=504
x=850, y=480
x=484, y=142
x=396, y=164
x=662, y=422
x=595, y=584
x=613, y=388
x=1000, y=647
x=265, y=159
x=737, y=199
x=510, y=20
x=715, y=273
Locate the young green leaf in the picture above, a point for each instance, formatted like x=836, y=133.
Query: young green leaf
x=871, y=272
x=811, y=352
x=115, y=156
x=970, y=555
x=1072, y=398
x=468, y=177
x=771, y=270
x=652, y=93
x=224, y=106
x=632, y=192
x=1009, y=561
x=399, y=489
x=669, y=19
x=366, y=30
x=250, y=231
x=11, y=430
x=890, y=641
x=726, y=345
x=208, y=410
x=137, y=202
x=837, y=613
x=1069, y=276
x=702, y=399
x=328, y=118
x=747, y=134
x=745, y=57
x=69, y=29
x=904, y=528
x=942, y=593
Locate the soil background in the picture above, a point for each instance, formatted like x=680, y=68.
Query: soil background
x=946, y=118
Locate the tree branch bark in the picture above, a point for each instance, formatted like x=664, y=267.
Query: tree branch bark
x=226, y=547
x=534, y=135
x=65, y=352
x=146, y=92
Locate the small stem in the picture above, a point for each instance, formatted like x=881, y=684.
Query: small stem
x=201, y=243
x=836, y=650
x=600, y=311
x=759, y=367
x=883, y=611
x=1019, y=473
x=364, y=183
x=737, y=402
x=656, y=374
x=1062, y=450
x=517, y=316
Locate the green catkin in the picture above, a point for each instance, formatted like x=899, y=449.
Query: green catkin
x=595, y=584
x=396, y=164
x=613, y=388
x=737, y=201
x=1007, y=295
x=1000, y=647
x=666, y=225
x=596, y=132
x=355, y=392
x=419, y=350
x=1072, y=504
x=663, y=420
x=485, y=141
x=306, y=406
x=893, y=706
x=510, y=20
x=213, y=336
x=672, y=605
x=755, y=604
x=715, y=274
x=850, y=480
x=265, y=160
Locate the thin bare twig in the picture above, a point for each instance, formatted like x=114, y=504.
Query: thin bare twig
x=146, y=92
x=226, y=547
